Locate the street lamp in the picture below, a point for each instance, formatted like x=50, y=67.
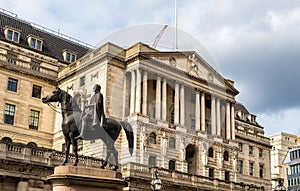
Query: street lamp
x=280, y=186
x=156, y=184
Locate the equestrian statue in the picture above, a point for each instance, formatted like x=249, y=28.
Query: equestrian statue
x=90, y=125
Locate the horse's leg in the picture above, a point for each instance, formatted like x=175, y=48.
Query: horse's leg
x=75, y=147
x=67, y=151
x=106, y=159
x=115, y=154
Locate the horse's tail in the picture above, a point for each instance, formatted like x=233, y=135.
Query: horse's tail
x=129, y=134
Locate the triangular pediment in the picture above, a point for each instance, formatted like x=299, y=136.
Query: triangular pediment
x=194, y=66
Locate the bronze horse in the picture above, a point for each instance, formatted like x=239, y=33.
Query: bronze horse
x=71, y=121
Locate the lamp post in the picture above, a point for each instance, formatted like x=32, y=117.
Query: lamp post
x=280, y=186
x=156, y=184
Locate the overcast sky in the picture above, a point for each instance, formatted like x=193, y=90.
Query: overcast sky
x=255, y=43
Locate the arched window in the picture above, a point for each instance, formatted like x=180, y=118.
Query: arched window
x=172, y=142
x=6, y=140
x=226, y=156
x=211, y=152
x=32, y=144
x=152, y=138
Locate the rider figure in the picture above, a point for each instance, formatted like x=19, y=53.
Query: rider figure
x=95, y=112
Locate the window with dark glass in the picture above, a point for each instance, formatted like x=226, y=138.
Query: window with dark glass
x=251, y=168
x=13, y=35
x=226, y=156
x=250, y=150
x=35, y=66
x=172, y=142
x=241, y=166
x=260, y=152
x=12, y=85
x=227, y=176
x=210, y=172
x=152, y=161
x=211, y=152
x=36, y=91
x=172, y=114
x=12, y=58
x=153, y=138
x=240, y=147
x=82, y=81
x=154, y=85
x=193, y=124
x=261, y=171
x=172, y=165
x=34, y=119
x=35, y=43
x=9, y=114
x=70, y=57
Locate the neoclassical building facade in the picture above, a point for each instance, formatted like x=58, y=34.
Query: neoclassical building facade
x=183, y=113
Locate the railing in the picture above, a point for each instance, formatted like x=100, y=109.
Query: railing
x=6, y=60
x=252, y=135
x=176, y=177
x=43, y=156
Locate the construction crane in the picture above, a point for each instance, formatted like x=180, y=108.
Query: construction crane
x=157, y=38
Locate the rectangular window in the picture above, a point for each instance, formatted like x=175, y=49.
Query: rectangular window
x=9, y=114
x=227, y=176
x=240, y=147
x=35, y=66
x=261, y=171
x=36, y=91
x=34, y=119
x=12, y=85
x=172, y=165
x=152, y=161
x=241, y=166
x=251, y=168
x=193, y=124
x=82, y=81
x=13, y=35
x=35, y=43
x=211, y=173
x=70, y=57
x=11, y=58
x=250, y=150
x=260, y=152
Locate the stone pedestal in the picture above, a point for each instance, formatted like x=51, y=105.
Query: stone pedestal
x=70, y=178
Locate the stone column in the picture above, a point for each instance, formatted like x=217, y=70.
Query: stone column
x=164, y=100
x=232, y=122
x=197, y=111
x=138, y=92
x=228, y=117
x=132, y=92
x=213, y=115
x=203, y=128
x=176, y=104
x=158, y=98
x=218, y=117
x=145, y=88
x=182, y=105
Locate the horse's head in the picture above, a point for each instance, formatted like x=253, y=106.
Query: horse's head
x=57, y=95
